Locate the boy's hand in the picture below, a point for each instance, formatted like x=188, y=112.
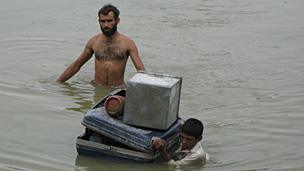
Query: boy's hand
x=159, y=144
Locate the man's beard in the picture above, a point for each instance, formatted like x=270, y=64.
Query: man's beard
x=110, y=32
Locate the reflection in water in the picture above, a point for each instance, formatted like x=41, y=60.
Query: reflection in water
x=85, y=96
x=85, y=163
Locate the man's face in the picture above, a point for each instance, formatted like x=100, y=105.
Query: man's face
x=187, y=141
x=108, y=24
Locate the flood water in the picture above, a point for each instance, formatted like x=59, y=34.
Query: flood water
x=241, y=61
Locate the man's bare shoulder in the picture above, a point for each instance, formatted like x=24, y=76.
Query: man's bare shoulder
x=96, y=38
x=128, y=41
x=93, y=41
x=124, y=37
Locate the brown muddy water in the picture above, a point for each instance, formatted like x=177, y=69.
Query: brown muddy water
x=241, y=61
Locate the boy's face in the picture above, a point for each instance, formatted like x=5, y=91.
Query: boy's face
x=188, y=141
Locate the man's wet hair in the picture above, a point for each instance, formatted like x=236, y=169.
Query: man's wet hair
x=108, y=8
x=193, y=127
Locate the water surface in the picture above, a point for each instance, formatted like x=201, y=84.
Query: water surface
x=241, y=63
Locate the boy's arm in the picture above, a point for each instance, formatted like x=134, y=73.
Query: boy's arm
x=160, y=144
x=192, y=157
x=189, y=159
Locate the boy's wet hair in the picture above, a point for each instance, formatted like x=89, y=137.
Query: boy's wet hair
x=193, y=127
x=108, y=8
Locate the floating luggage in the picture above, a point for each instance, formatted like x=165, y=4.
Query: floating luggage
x=108, y=137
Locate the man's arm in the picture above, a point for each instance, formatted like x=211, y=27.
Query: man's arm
x=73, y=68
x=135, y=56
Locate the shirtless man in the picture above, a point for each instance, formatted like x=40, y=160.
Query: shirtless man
x=111, y=50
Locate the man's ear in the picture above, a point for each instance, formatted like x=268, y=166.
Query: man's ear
x=117, y=20
x=199, y=138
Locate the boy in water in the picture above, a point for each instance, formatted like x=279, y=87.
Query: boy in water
x=190, y=150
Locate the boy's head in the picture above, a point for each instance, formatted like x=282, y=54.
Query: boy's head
x=192, y=131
